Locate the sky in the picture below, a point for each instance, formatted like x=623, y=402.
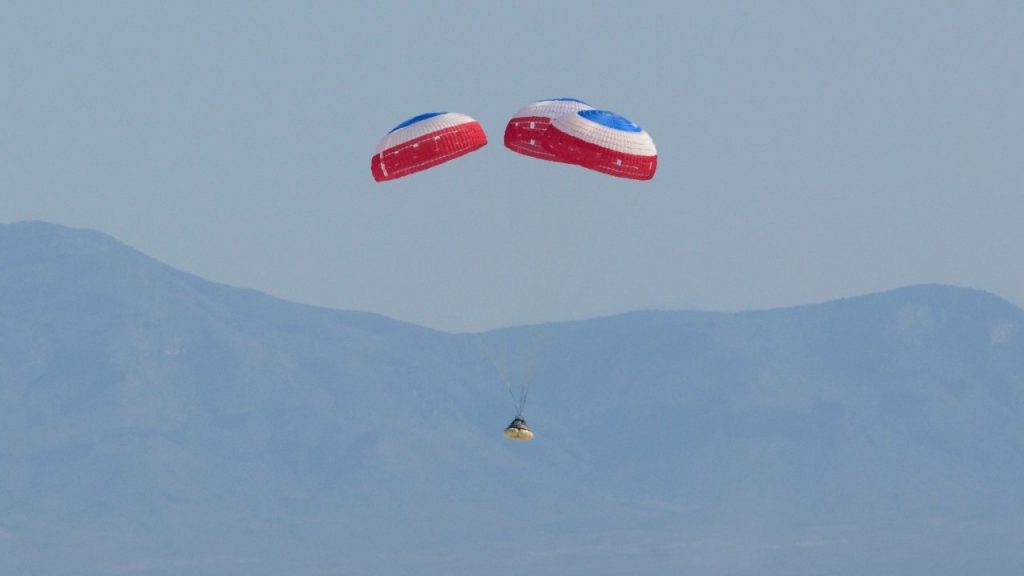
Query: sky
x=807, y=150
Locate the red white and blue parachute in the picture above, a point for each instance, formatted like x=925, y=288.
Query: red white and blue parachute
x=571, y=131
x=558, y=130
x=603, y=141
x=423, y=142
x=525, y=132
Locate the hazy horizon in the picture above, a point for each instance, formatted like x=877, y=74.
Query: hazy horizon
x=537, y=324
x=807, y=151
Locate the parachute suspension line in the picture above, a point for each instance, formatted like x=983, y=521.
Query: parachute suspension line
x=527, y=359
x=522, y=402
x=505, y=374
x=532, y=367
x=516, y=402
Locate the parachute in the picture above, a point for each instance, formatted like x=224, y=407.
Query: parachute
x=573, y=132
x=423, y=142
x=603, y=141
x=525, y=132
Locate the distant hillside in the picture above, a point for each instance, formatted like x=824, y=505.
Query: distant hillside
x=152, y=422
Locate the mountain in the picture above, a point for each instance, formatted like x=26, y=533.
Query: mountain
x=152, y=422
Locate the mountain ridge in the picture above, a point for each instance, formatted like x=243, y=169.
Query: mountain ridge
x=84, y=241
x=151, y=420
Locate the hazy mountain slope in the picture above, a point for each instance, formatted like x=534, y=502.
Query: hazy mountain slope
x=152, y=422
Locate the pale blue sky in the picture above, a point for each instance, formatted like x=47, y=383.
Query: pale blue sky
x=808, y=150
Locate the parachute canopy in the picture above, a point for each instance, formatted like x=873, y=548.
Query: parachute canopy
x=518, y=430
x=524, y=133
x=603, y=141
x=423, y=142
